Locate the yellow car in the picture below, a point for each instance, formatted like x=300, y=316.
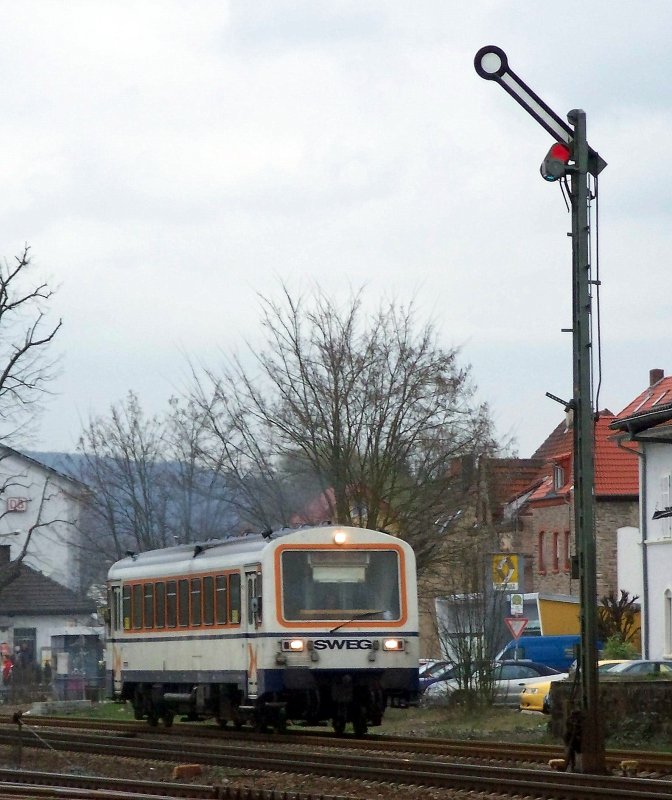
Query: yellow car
x=535, y=696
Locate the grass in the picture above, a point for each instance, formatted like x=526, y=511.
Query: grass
x=454, y=723
x=461, y=723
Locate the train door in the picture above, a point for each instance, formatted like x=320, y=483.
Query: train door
x=114, y=618
x=252, y=622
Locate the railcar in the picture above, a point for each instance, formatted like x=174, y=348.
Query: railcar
x=313, y=626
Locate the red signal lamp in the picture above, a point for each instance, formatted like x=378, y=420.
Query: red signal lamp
x=554, y=166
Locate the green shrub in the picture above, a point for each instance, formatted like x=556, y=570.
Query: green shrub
x=616, y=648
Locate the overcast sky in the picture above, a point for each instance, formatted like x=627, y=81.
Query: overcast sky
x=167, y=161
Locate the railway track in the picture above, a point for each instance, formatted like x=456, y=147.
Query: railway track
x=649, y=762
x=292, y=758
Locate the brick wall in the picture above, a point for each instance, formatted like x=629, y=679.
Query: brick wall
x=554, y=521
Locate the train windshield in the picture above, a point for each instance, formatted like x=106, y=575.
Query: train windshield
x=340, y=584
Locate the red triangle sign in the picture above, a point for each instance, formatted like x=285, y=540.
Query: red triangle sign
x=516, y=625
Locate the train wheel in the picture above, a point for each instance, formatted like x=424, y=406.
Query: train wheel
x=359, y=725
x=138, y=705
x=168, y=718
x=281, y=722
x=222, y=722
x=260, y=724
x=339, y=725
x=153, y=718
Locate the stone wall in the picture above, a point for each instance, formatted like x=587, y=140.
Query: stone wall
x=636, y=708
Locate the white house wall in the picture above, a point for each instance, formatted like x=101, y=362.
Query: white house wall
x=32, y=495
x=658, y=535
x=629, y=549
x=46, y=627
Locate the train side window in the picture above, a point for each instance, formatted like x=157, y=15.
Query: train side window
x=208, y=600
x=149, y=605
x=160, y=606
x=183, y=603
x=137, y=607
x=251, y=581
x=126, y=607
x=221, y=595
x=171, y=604
x=113, y=605
x=196, y=612
x=234, y=598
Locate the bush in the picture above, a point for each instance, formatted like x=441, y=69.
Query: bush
x=616, y=648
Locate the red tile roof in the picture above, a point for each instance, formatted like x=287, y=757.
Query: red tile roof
x=511, y=477
x=653, y=398
x=616, y=470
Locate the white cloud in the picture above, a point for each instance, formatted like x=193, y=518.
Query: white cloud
x=168, y=160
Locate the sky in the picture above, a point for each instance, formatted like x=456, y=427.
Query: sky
x=169, y=161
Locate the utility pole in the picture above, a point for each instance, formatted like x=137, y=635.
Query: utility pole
x=491, y=63
x=584, y=469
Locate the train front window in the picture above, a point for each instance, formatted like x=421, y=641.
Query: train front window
x=340, y=584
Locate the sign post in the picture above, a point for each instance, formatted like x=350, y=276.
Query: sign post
x=516, y=625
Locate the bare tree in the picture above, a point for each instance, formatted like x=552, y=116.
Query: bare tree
x=469, y=614
x=26, y=335
x=201, y=503
x=369, y=404
x=149, y=488
x=123, y=464
x=26, y=370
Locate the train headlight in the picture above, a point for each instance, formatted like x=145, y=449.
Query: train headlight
x=393, y=644
x=340, y=537
x=293, y=645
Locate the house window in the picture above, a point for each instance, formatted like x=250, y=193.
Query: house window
x=556, y=551
x=541, y=561
x=558, y=477
x=668, y=623
x=566, y=561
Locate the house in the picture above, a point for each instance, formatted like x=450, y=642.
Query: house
x=40, y=514
x=646, y=423
x=35, y=608
x=538, y=522
x=41, y=511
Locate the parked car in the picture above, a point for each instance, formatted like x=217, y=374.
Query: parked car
x=535, y=697
x=508, y=678
x=604, y=665
x=427, y=664
x=555, y=651
x=642, y=667
x=439, y=671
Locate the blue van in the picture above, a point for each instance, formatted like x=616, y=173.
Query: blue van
x=555, y=651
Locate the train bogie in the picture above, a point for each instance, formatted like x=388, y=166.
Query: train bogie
x=316, y=625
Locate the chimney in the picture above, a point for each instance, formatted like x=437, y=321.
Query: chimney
x=655, y=375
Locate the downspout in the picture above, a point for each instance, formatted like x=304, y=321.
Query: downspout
x=645, y=554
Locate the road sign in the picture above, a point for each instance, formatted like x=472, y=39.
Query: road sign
x=505, y=571
x=516, y=625
x=517, y=606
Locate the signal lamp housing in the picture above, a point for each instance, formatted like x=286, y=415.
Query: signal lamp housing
x=554, y=166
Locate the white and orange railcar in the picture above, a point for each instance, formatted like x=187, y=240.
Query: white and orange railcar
x=309, y=625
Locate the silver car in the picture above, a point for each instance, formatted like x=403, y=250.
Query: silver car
x=508, y=679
